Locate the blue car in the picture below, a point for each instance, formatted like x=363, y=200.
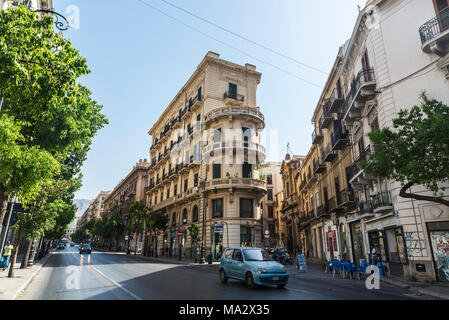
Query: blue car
x=253, y=265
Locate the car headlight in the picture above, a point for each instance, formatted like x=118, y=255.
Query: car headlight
x=261, y=270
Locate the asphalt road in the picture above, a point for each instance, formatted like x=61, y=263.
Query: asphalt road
x=108, y=276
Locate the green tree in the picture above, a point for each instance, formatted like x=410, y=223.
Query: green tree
x=138, y=212
x=194, y=237
x=53, y=117
x=416, y=152
x=158, y=221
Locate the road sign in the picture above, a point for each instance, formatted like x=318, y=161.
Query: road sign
x=218, y=228
x=180, y=233
x=267, y=233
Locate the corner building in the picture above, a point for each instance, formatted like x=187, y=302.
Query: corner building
x=206, y=148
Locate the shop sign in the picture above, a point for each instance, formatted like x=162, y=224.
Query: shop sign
x=218, y=228
x=267, y=233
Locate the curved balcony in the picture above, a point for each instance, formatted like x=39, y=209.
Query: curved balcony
x=219, y=147
x=237, y=183
x=435, y=34
x=252, y=113
x=362, y=89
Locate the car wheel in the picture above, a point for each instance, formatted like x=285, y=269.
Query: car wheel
x=282, y=286
x=223, y=277
x=250, y=280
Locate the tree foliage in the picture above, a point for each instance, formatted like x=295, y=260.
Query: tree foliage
x=416, y=151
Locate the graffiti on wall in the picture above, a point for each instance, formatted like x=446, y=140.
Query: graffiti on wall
x=414, y=244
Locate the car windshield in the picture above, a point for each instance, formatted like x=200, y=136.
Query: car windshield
x=87, y=246
x=256, y=255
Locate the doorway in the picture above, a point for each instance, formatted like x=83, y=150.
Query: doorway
x=439, y=240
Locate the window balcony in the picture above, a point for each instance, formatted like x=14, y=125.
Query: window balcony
x=365, y=207
x=195, y=102
x=346, y=198
x=317, y=137
x=233, y=98
x=319, y=168
x=381, y=202
x=327, y=117
x=336, y=100
x=435, y=34
x=250, y=113
x=238, y=183
x=321, y=211
x=340, y=136
x=329, y=155
x=219, y=147
x=362, y=89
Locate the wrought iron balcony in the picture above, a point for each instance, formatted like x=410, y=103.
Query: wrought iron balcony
x=346, y=198
x=234, y=96
x=317, y=137
x=435, y=34
x=329, y=155
x=365, y=207
x=327, y=117
x=362, y=88
x=331, y=205
x=320, y=168
x=340, y=136
x=336, y=100
x=381, y=202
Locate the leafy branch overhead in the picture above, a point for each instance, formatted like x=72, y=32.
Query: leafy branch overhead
x=416, y=152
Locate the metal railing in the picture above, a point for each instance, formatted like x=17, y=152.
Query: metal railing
x=364, y=76
x=381, y=199
x=235, y=96
x=434, y=27
x=252, y=111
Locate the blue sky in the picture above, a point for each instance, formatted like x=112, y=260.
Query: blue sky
x=140, y=58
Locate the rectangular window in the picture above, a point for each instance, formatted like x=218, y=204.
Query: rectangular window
x=246, y=134
x=216, y=171
x=168, y=193
x=217, y=208
x=217, y=135
x=269, y=179
x=195, y=180
x=186, y=184
x=162, y=196
x=232, y=91
x=270, y=194
x=246, y=208
x=247, y=170
x=175, y=190
x=270, y=211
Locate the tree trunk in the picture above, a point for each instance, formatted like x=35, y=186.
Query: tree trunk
x=25, y=257
x=14, y=253
x=156, y=247
x=3, y=205
x=404, y=194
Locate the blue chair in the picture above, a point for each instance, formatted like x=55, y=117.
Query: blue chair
x=346, y=265
x=328, y=265
x=336, y=266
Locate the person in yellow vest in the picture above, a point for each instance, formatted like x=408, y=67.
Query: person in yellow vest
x=7, y=255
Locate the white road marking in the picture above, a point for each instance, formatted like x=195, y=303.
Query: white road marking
x=113, y=281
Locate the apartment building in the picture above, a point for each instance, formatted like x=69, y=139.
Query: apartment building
x=94, y=210
x=206, y=147
x=280, y=229
x=32, y=4
x=397, y=50
x=131, y=188
x=271, y=173
x=291, y=205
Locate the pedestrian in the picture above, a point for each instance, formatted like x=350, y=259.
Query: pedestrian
x=373, y=255
x=7, y=255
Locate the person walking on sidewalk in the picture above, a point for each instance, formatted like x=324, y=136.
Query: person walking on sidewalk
x=7, y=255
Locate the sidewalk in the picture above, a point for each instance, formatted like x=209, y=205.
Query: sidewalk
x=164, y=259
x=10, y=288
x=434, y=290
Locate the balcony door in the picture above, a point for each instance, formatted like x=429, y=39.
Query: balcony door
x=442, y=11
x=440, y=6
x=366, y=67
x=232, y=91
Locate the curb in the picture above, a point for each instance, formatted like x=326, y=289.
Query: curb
x=418, y=291
x=23, y=286
x=394, y=283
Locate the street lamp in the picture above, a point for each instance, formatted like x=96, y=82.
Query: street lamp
x=127, y=233
x=203, y=249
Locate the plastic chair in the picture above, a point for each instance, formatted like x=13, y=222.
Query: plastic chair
x=328, y=265
x=337, y=267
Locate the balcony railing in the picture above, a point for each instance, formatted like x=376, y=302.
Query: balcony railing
x=364, y=78
x=246, y=145
x=317, y=136
x=345, y=198
x=326, y=117
x=329, y=155
x=244, y=182
x=336, y=100
x=340, y=136
x=251, y=112
x=381, y=201
x=234, y=96
x=432, y=29
x=365, y=207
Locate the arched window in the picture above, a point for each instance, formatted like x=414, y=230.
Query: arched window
x=173, y=220
x=184, y=216
x=195, y=214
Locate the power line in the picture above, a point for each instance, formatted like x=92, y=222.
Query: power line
x=230, y=46
x=245, y=38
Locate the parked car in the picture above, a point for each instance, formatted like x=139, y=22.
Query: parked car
x=86, y=248
x=253, y=265
x=60, y=246
x=72, y=244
